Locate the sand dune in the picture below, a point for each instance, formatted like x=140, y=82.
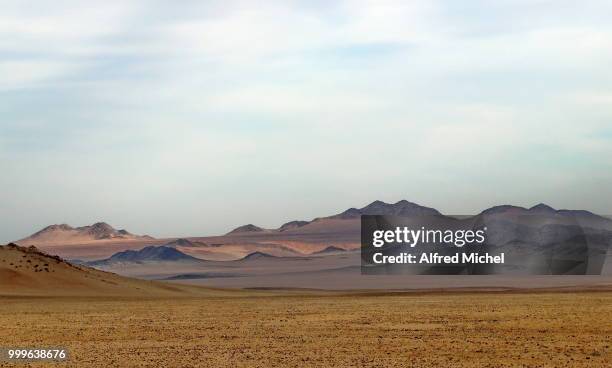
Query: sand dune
x=27, y=271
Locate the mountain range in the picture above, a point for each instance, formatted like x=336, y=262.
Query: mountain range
x=345, y=222
x=328, y=243
x=405, y=208
x=67, y=234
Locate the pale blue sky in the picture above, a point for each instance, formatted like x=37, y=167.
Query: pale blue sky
x=193, y=117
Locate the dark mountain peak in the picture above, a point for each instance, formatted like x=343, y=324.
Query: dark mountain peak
x=292, y=225
x=542, y=208
x=150, y=253
x=505, y=208
x=405, y=207
x=249, y=228
x=375, y=206
x=400, y=208
x=124, y=255
x=351, y=213
x=378, y=207
x=256, y=255
x=162, y=253
x=404, y=202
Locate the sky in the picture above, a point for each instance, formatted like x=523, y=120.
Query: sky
x=191, y=118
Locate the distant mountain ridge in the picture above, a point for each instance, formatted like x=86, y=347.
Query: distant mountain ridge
x=406, y=208
x=249, y=228
x=292, y=225
x=100, y=231
x=400, y=208
x=146, y=254
x=581, y=216
x=64, y=233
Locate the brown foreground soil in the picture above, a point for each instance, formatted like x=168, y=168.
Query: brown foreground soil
x=429, y=330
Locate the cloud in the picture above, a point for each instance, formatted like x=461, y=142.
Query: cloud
x=228, y=104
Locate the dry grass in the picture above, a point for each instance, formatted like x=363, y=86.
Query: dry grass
x=463, y=330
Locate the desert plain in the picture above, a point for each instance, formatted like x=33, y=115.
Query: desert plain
x=313, y=329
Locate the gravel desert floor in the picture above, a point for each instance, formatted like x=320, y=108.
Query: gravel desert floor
x=535, y=329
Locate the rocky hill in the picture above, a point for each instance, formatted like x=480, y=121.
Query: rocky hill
x=66, y=234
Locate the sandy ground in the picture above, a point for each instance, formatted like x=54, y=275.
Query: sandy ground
x=409, y=330
x=351, y=279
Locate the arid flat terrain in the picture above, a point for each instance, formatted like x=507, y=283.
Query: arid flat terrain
x=107, y=320
x=540, y=329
